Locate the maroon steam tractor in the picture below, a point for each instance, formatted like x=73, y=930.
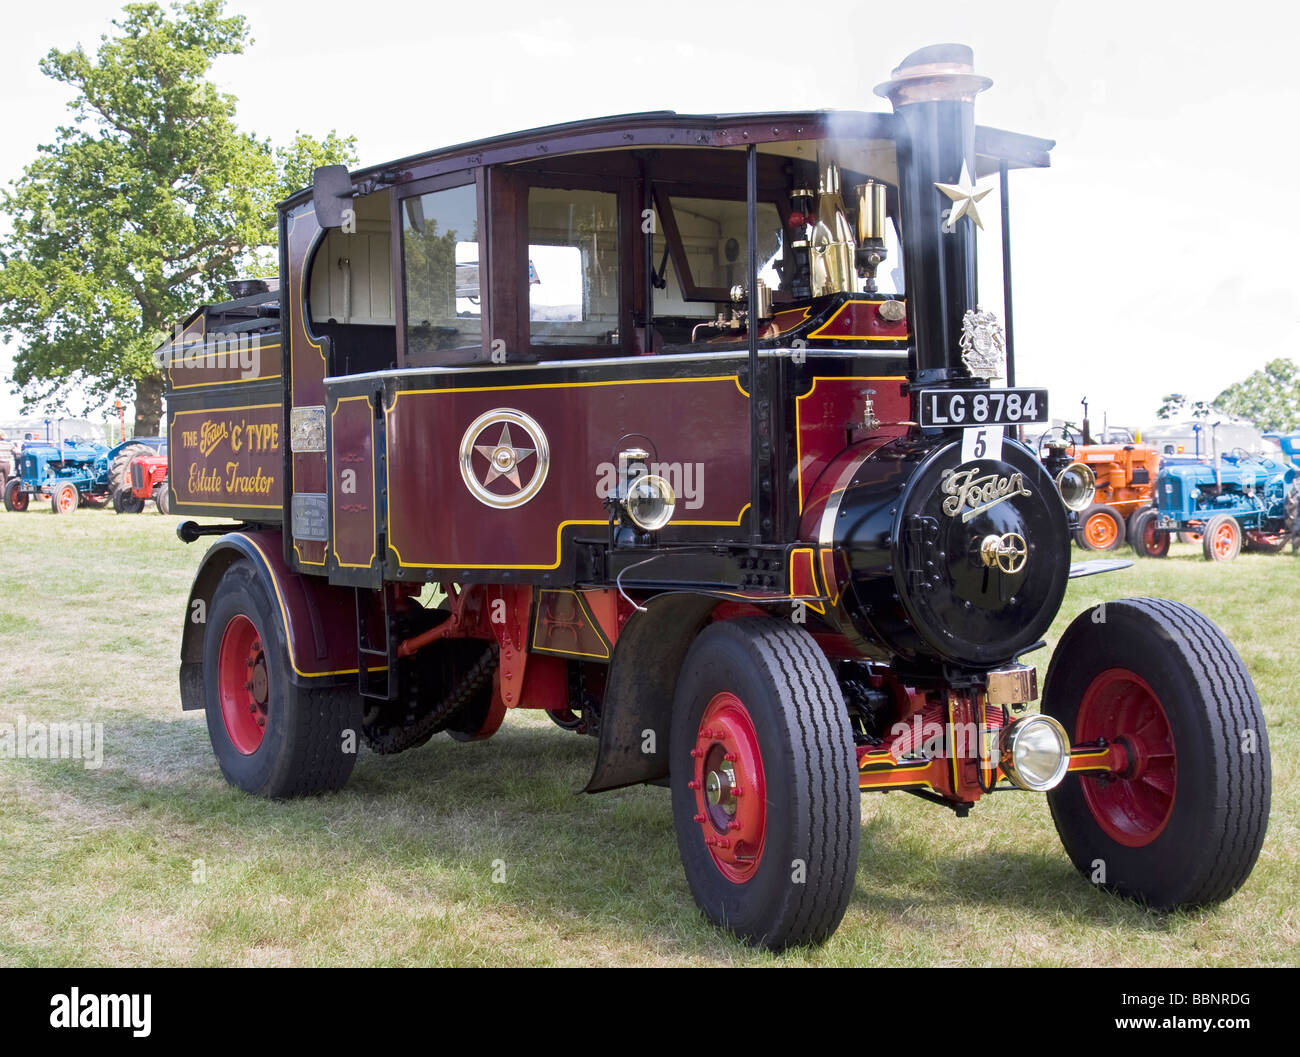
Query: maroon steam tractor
x=683, y=430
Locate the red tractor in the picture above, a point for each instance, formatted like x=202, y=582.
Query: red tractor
x=626, y=421
x=146, y=479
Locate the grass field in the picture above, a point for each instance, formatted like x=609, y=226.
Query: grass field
x=153, y=859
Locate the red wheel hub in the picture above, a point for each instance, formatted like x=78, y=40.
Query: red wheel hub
x=1100, y=531
x=1133, y=808
x=243, y=686
x=1225, y=539
x=730, y=792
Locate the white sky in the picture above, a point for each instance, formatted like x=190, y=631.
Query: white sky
x=1159, y=252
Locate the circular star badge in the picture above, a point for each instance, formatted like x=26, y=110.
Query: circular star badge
x=504, y=458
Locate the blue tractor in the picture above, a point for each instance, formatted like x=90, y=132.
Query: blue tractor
x=1235, y=501
x=70, y=473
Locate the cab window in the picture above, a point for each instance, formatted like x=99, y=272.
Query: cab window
x=573, y=267
x=440, y=257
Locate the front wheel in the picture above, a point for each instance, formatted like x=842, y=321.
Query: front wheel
x=66, y=498
x=162, y=497
x=1147, y=542
x=1183, y=824
x=271, y=736
x=125, y=502
x=1221, y=541
x=764, y=783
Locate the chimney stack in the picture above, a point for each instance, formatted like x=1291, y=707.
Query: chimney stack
x=933, y=93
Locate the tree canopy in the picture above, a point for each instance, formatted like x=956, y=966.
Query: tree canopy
x=1270, y=399
x=141, y=207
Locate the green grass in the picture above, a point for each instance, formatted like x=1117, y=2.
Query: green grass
x=97, y=866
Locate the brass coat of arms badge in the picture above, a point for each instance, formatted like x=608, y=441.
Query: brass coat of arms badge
x=983, y=349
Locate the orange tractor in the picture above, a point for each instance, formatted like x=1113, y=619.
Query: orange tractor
x=1126, y=481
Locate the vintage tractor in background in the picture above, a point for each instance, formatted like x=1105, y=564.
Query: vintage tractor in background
x=70, y=473
x=146, y=479
x=1237, y=501
x=1123, y=476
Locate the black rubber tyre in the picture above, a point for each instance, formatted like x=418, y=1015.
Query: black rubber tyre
x=1218, y=804
x=162, y=498
x=15, y=499
x=803, y=876
x=126, y=503
x=1146, y=542
x=119, y=470
x=1097, y=537
x=1221, y=540
x=311, y=736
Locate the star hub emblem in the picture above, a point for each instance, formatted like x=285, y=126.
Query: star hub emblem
x=504, y=458
x=965, y=196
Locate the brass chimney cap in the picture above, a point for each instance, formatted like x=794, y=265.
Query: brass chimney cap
x=933, y=74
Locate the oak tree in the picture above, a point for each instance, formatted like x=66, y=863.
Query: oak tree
x=141, y=208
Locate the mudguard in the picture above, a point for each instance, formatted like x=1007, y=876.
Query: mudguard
x=319, y=617
x=636, y=716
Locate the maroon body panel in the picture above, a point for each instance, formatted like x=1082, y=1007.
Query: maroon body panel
x=697, y=429
x=829, y=416
x=228, y=459
x=352, y=496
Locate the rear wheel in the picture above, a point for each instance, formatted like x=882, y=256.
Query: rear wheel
x=1221, y=541
x=1147, y=542
x=15, y=499
x=1101, y=528
x=119, y=471
x=65, y=498
x=1183, y=825
x=764, y=783
x=1189, y=537
x=271, y=737
x=1265, y=542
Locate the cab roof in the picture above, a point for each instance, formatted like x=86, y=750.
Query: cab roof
x=668, y=129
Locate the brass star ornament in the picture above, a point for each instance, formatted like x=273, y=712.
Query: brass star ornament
x=503, y=458
x=965, y=196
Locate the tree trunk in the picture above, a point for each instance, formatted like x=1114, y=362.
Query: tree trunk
x=148, y=405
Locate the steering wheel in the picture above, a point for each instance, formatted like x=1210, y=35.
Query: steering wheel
x=1071, y=439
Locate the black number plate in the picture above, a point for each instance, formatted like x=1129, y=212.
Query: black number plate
x=983, y=407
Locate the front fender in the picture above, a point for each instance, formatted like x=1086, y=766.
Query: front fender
x=639, y=693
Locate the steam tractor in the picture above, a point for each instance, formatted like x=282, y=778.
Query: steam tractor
x=682, y=430
x=1238, y=500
